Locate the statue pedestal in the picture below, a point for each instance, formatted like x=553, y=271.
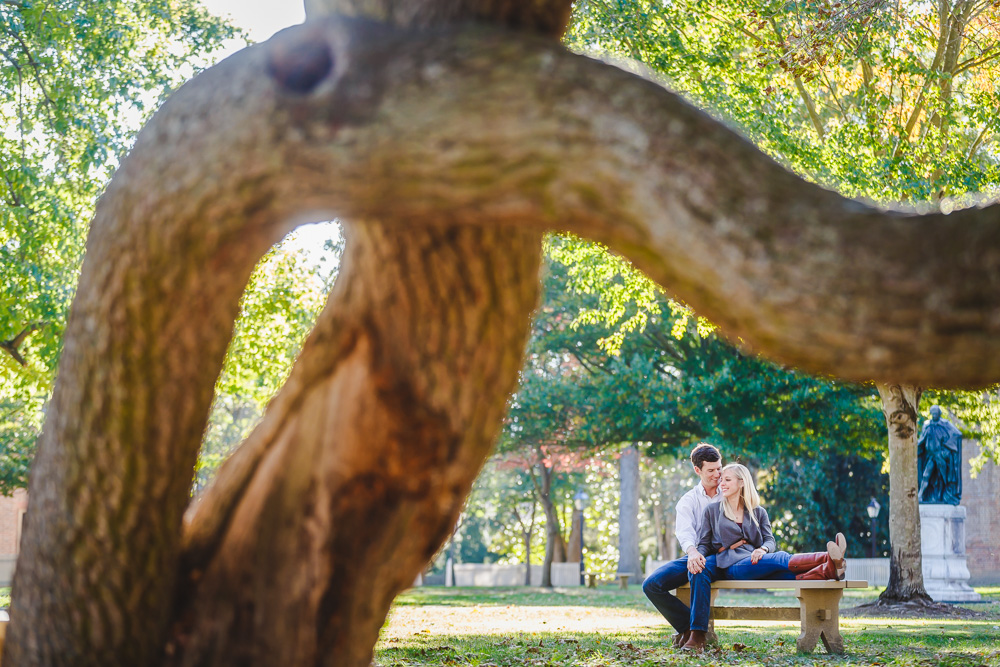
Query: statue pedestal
x=942, y=544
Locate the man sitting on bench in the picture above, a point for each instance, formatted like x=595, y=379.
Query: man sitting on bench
x=707, y=463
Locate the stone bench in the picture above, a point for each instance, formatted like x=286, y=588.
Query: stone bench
x=818, y=613
x=594, y=577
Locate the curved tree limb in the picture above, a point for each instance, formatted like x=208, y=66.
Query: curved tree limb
x=479, y=127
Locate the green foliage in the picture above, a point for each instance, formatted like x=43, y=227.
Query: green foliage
x=889, y=101
x=812, y=498
x=669, y=392
x=77, y=80
x=978, y=417
x=280, y=304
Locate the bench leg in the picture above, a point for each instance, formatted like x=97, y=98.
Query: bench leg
x=710, y=636
x=819, y=611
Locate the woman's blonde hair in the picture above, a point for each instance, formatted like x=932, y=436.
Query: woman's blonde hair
x=748, y=494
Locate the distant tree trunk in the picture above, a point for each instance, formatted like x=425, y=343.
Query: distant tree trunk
x=527, y=523
x=555, y=546
x=573, y=551
x=628, y=512
x=663, y=525
x=900, y=403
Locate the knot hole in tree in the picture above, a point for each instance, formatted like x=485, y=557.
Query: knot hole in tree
x=301, y=62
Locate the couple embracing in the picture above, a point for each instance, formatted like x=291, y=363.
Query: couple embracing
x=726, y=534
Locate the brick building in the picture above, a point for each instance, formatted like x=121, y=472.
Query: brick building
x=12, y=511
x=981, y=499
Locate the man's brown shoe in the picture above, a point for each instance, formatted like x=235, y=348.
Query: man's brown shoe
x=696, y=642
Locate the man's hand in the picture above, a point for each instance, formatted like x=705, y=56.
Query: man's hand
x=696, y=562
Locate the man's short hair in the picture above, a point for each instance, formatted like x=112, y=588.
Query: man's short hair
x=703, y=453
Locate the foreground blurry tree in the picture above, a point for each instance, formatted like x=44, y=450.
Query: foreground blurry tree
x=447, y=150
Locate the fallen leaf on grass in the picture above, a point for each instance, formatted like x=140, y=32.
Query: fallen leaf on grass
x=738, y=647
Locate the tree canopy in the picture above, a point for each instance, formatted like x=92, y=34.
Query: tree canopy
x=77, y=79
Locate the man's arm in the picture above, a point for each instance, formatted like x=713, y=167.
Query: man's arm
x=687, y=536
x=684, y=524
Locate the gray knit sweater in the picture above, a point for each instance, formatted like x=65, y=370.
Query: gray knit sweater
x=718, y=531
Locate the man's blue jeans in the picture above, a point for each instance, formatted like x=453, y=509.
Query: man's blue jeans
x=701, y=594
x=657, y=588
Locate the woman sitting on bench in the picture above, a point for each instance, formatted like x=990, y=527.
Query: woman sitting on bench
x=737, y=543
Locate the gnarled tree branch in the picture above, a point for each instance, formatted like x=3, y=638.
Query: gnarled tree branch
x=485, y=128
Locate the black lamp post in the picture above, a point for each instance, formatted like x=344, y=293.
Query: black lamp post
x=580, y=502
x=873, y=509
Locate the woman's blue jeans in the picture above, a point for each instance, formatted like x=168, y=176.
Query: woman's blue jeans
x=770, y=566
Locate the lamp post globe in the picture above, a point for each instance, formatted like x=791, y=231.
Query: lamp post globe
x=873, y=510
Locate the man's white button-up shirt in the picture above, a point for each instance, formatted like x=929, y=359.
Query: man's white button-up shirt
x=690, y=511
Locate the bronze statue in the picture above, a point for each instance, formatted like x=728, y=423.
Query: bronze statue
x=939, y=461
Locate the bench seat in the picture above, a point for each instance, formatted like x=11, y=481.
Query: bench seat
x=818, y=613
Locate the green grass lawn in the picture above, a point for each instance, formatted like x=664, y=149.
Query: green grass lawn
x=502, y=627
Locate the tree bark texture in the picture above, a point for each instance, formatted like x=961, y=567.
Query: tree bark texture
x=906, y=579
x=378, y=436
x=628, y=513
x=573, y=551
x=450, y=151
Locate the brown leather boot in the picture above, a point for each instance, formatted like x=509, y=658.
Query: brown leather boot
x=837, y=551
x=800, y=563
x=827, y=570
x=681, y=638
x=696, y=642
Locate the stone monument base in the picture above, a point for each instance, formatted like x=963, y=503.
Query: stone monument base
x=942, y=544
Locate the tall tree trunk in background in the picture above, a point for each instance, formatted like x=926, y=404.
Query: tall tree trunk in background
x=628, y=513
x=663, y=523
x=900, y=404
x=555, y=546
x=573, y=550
x=526, y=521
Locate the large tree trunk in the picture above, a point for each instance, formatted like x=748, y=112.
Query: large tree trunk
x=376, y=457
x=900, y=403
x=628, y=513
